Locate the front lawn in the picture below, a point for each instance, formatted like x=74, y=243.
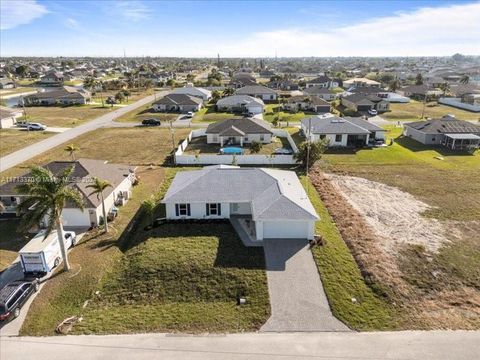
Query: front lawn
x=182, y=278
x=146, y=112
x=64, y=116
x=342, y=279
x=413, y=111
x=12, y=139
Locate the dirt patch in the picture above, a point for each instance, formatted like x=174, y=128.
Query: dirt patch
x=395, y=216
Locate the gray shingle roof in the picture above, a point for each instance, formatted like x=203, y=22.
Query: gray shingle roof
x=319, y=80
x=446, y=125
x=317, y=90
x=179, y=99
x=335, y=125
x=274, y=194
x=254, y=90
x=245, y=125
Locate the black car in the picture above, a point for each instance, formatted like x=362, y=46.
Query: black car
x=151, y=122
x=14, y=295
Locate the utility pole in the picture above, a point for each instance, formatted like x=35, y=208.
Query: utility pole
x=424, y=103
x=172, y=132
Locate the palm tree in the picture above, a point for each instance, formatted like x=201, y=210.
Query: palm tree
x=98, y=187
x=445, y=87
x=465, y=79
x=394, y=85
x=71, y=149
x=47, y=195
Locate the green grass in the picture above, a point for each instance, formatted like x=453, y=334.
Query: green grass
x=208, y=114
x=342, y=279
x=73, y=82
x=18, y=90
x=413, y=111
x=10, y=241
x=182, y=278
x=145, y=112
x=273, y=110
x=64, y=116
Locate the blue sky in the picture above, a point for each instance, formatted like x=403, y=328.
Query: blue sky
x=239, y=28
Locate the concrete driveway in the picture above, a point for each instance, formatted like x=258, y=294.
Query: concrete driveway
x=297, y=298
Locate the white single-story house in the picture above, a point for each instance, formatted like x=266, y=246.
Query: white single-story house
x=360, y=102
x=8, y=117
x=121, y=177
x=341, y=132
x=6, y=83
x=178, y=102
x=321, y=92
x=447, y=131
x=258, y=91
x=203, y=94
x=272, y=202
x=52, y=78
x=322, y=81
x=239, y=132
x=241, y=103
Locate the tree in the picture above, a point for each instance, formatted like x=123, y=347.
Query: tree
x=71, y=149
x=445, y=87
x=47, y=195
x=228, y=91
x=216, y=95
x=255, y=147
x=21, y=70
x=126, y=93
x=120, y=97
x=394, y=85
x=310, y=153
x=149, y=206
x=89, y=83
x=98, y=187
x=171, y=82
x=419, y=79
x=465, y=79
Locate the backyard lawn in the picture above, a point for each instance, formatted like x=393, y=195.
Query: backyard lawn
x=199, y=145
x=413, y=111
x=12, y=140
x=272, y=111
x=208, y=114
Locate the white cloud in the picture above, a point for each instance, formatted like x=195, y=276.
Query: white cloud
x=72, y=23
x=19, y=12
x=132, y=10
x=425, y=31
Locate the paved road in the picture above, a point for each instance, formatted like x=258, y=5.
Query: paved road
x=28, y=152
x=410, y=345
x=297, y=298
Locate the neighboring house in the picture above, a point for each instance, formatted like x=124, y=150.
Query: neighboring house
x=178, y=102
x=285, y=85
x=447, y=131
x=52, y=78
x=360, y=102
x=8, y=117
x=360, y=82
x=322, y=81
x=464, y=89
x=321, y=92
x=271, y=203
x=120, y=176
x=203, y=94
x=66, y=95
x=342, y=132
x=307, y=103
x=471, y=99
x=419, y=91
x=6, y=83
x=239, y=131
x=258, y=91
x=242, y=79
x=241, y=104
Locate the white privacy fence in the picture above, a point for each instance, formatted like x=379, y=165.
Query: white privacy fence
x=217, y=159
x=457, y=102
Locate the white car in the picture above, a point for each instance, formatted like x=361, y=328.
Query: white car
x=36, y=126
x=189, y=114
x=373, y=112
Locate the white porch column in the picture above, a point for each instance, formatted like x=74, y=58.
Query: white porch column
x=221, y=140
x=241, y=141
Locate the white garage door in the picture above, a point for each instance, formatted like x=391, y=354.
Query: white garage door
x=285, y=230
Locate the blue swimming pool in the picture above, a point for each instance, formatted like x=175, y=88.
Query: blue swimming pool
x=231, y=150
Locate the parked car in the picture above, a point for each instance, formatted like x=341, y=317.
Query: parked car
x=189, y=114
x=151, y=122
x=36, y=127
x=23, y=124
x=42, y=254
x=373, y=112
x=282, y=151
x=14, y=295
